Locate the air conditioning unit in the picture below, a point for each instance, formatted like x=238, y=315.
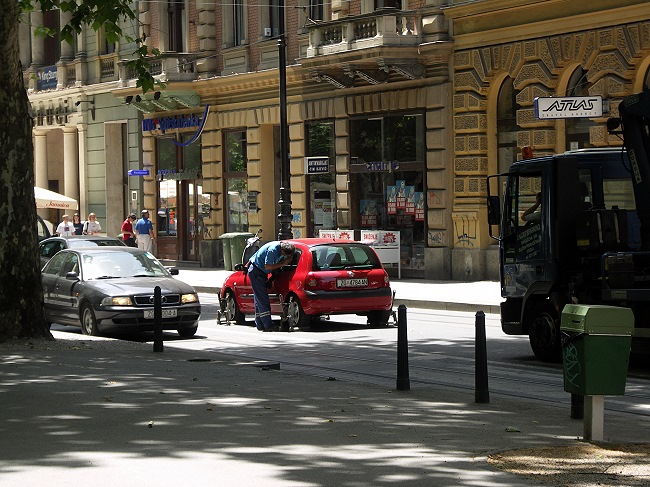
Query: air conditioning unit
x=267, y=32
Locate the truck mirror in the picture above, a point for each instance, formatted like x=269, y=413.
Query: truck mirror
x=494, y=211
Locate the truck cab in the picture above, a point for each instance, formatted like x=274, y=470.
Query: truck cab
x=566, y=224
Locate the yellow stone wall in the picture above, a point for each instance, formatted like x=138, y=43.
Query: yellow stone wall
x=615, y=58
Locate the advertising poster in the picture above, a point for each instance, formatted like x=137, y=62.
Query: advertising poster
x=401, y=194
x=391, y=200
x=369, y=213
x=410, y=200
x=419, y=206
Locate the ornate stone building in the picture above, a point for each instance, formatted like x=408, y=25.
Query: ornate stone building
x=506, y=54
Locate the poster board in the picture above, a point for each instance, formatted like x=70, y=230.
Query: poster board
x=386, y=243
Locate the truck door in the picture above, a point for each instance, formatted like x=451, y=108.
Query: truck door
x=525, y=219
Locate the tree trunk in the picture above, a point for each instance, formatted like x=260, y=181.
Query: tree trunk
x=21, y=292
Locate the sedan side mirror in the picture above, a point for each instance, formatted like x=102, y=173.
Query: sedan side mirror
x=72, y=276
x=173, y=271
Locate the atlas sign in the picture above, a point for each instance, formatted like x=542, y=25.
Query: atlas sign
x=569, y=107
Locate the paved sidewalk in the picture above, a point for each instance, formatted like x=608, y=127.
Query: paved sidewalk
x=110, y=412
x=445, y=295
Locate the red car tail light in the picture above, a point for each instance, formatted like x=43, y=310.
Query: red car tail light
x=311, y=281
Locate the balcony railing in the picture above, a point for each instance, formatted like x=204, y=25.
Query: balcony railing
x=388, y=27
x=168, y=66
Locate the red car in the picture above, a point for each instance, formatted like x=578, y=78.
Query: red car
x=325, y=277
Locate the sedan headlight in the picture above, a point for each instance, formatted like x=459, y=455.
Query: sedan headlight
x=117, y=301
x=189, y=298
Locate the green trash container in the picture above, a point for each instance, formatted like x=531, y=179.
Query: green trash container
x=227, y=259
x=596, y=344
x=233, y=248
x=237, y=245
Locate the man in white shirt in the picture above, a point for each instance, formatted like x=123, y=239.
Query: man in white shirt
x=65, y=228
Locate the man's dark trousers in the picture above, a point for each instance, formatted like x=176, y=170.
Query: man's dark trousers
x=261, y=298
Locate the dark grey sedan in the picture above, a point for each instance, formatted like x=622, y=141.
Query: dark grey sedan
x=111, y=289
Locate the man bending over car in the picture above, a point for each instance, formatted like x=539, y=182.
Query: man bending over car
x=269, y=257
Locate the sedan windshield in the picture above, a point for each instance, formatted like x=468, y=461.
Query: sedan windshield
x=344, y=256
x=80, y=243
x=121, y=264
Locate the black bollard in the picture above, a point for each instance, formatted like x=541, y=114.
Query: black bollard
x=157, y=320
x=403, y=381
x=481, y=393
x=577, y=406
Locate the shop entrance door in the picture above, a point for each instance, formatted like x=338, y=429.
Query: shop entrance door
x=190, y=228
x=198, y=206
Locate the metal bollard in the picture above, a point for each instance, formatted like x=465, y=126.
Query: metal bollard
x=403, y=381
x=157, y=320
x=481, y=392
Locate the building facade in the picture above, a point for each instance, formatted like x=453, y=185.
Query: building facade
x=508, y=53
x=396, y=112
x=368, y=96
x=85, y=141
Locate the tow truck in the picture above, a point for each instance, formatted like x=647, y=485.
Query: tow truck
x=587, y=241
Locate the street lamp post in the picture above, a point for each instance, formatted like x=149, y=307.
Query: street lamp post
x=285, y=190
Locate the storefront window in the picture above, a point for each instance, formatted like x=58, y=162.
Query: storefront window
x=236, y=182
x=387, y=180
x=320, y=145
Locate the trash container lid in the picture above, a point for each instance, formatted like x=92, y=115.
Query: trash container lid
x=597, y=319
x=236, y=234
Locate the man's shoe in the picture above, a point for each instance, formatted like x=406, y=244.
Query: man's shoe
x=261, y=329
x=272, y=328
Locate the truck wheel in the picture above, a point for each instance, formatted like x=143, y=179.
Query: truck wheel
x=231, y=311
x=544, y=333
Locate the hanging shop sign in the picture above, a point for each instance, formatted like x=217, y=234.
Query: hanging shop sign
x=317, y=165
x=46, y=78
x=163, y=124
x=569, y=107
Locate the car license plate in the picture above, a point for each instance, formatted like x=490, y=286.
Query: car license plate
x=362, y=282
x=166, y=313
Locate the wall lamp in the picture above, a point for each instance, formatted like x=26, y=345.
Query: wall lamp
x=128, y=99
x=92, y=106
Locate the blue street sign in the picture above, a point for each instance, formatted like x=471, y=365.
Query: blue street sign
x=138, y=172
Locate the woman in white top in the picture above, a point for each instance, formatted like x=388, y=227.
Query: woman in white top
x=92, y=226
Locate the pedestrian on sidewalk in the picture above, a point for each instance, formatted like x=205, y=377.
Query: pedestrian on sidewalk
x=144, y=232
x=128, y=237
x=65, y=228
x=77, y=224
x=269, y=257
x=92, y=226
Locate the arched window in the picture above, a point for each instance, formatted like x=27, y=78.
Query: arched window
x=577, y=129
x=507, y=126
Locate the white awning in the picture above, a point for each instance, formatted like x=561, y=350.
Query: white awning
x=49, y=199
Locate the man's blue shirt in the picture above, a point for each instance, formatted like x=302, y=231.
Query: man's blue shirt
x=143, y=226
x=267, y=254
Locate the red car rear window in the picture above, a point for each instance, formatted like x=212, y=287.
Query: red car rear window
x=344, y=256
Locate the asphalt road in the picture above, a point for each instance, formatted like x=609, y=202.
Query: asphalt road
x=441, y=352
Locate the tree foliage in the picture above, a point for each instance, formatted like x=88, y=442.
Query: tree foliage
x=21, y=294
